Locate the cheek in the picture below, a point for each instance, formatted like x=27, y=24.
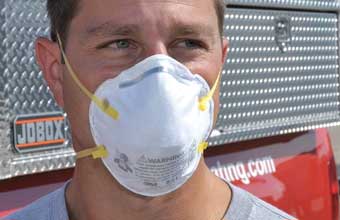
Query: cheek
x=77, y=109
x=207, y=67
x=209, y=70
x=74, y=98
x=216, y=99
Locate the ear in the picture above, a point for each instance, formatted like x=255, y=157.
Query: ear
x=225, y=47
x=49, y=59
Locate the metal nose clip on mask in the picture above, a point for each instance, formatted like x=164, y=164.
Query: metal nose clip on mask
x=150, y=124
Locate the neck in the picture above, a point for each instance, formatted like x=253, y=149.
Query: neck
x=94, y=194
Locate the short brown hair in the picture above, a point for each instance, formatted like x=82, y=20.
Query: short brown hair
x=61, y=13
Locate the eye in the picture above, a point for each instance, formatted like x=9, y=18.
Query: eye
x=190, y=44
x=116, y=44
x=121, y=44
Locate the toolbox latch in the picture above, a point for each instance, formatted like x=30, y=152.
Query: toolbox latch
x=283, y=33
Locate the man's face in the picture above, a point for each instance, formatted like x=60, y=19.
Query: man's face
x=109, y=36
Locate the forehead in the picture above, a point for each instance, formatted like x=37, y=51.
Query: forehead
x=162, y=13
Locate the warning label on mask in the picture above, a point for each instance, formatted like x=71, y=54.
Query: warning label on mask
x=158, y=172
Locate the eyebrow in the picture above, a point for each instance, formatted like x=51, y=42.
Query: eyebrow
x=193, y=29
x=108, y=29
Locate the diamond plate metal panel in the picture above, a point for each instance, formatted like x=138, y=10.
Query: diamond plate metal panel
x=319, y=5
x=4, y=114
x=266, y=91
x=23, y=87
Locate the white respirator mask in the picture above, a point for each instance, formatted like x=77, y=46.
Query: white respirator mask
x=150, y=124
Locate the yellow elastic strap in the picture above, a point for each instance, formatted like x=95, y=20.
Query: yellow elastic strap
x=103, y=104
x=96, y=152
x=205, y=99
x=202, y=146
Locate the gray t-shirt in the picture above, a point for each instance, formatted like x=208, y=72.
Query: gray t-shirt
x=243, y=206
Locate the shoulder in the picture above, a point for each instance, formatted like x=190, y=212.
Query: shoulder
x=245, y=206
x=49, y=207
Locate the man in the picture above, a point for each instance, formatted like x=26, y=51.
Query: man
x=141, y=74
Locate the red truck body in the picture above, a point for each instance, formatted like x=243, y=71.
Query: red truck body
x=301, y=179
x=304, y=181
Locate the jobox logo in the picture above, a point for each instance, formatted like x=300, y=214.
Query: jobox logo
x=39, y=132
